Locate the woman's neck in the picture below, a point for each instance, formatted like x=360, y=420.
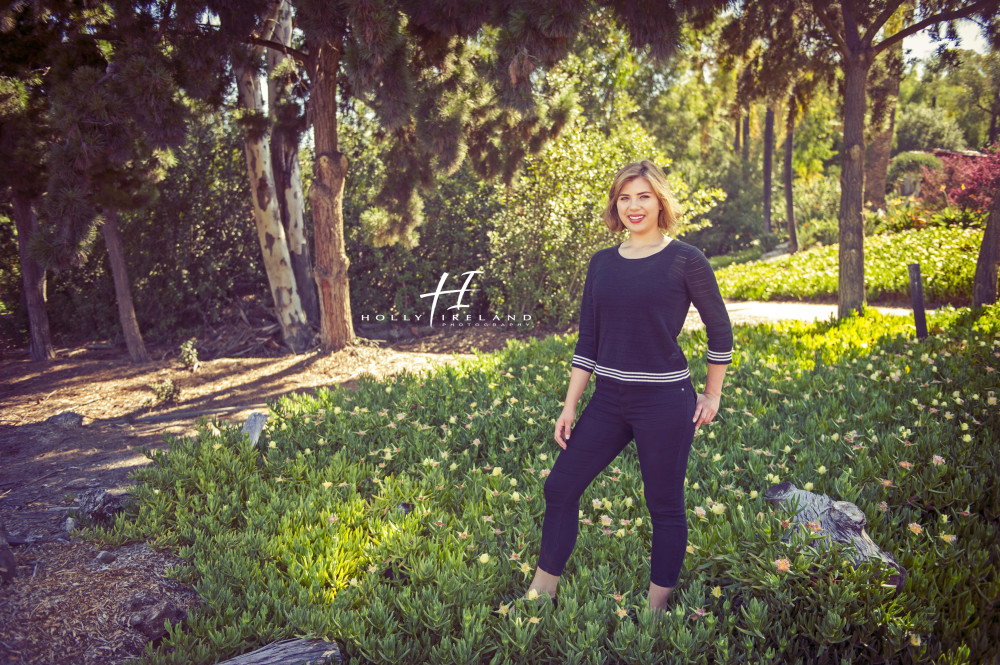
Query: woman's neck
x=651, y=239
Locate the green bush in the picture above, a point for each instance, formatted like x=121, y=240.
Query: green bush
x=947, y=258
x=925, y=128
x=400, y=518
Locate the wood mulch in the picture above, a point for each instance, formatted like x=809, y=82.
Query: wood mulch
x=64, y=606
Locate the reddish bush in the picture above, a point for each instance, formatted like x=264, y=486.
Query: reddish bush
x=963, y=181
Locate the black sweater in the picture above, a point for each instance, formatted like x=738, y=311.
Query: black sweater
x=633, y=310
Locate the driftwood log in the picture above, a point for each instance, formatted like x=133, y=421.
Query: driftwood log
x=291, y=652
x=839, y=521
x=254, y=426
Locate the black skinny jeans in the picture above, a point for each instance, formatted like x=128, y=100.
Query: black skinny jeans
x=658, y=417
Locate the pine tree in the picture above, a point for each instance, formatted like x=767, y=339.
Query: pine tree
x=23, y=133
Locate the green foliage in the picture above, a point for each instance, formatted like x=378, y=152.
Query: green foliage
x=189, y=254
x=188, y=356
x=165, y=392
x=400, y=518
x=946, y=256
x=926, y=128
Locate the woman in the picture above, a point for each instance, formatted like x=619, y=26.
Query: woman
x=635, y=300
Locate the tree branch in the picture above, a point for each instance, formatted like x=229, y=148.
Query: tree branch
x=819, y=6
x=880, y=20
x=304, y=58
x=931, y=20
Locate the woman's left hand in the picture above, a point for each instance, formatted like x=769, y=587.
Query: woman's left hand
x=705, y=409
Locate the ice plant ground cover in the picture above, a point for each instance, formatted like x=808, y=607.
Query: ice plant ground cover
x=947, y=258
x=402, y=520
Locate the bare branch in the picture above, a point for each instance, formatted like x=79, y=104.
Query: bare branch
x=304, y=58
x=820, y=6
x=880, y=20
x=931, y=20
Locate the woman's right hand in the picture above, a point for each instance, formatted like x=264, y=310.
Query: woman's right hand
x=564, y=425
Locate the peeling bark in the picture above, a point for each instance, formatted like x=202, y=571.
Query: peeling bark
x=270, y=231
x=288, y=176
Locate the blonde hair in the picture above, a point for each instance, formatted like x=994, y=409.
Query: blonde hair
x=670, y=212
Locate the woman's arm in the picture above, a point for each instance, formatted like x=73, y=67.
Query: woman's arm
x=578, y=379
x=708, y=401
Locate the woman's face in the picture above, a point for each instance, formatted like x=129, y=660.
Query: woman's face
x=638, y=207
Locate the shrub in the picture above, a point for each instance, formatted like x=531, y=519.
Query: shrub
x=947, y=257
x=924, y=128
x=401, y=518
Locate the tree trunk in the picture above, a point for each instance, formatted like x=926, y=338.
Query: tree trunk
x=123, y=292
x=746, y=137
x=851, y=278
x=994, y=125
x=984, y=284
x=33, y=279
x=768, y=157
x=327, y=196
x=270, y=231
x=793, y=239
x=288, y=175
x=736, y=137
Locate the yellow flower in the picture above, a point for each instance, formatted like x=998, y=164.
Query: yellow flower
x=916, y=528
x=484, y=558
x=716, y=591
x=503, y=610
x=328, y=484
x=783, y=565
x=534, y=620
x=821, y=470
x=914, y=639
x=497, y=470
x=808, y=487
x=718, y=508
x=621, y=612
x=948, y=537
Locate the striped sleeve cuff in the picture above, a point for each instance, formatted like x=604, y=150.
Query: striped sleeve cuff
x=720, y=358
x=584, y=363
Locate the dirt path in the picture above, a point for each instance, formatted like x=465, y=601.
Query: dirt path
x=48, y=460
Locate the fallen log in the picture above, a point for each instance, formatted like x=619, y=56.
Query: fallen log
x=8, y=564
x=838, y=521
x=291, y=652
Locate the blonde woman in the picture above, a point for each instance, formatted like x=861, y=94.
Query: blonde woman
x=635, y=299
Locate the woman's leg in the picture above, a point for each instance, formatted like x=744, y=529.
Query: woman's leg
x=663, y=435
x=598, y=437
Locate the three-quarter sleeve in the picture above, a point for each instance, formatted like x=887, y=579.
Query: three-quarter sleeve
x=585, y=354
x=704, y=291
